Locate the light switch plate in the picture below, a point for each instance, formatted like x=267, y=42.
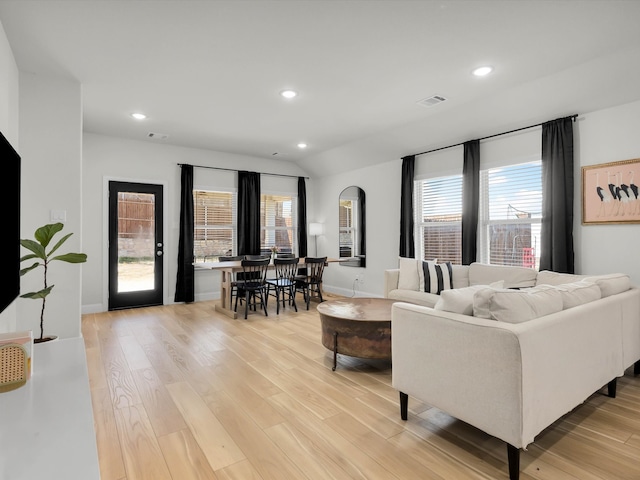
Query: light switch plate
x=59, y=216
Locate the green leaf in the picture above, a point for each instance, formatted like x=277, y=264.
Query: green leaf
x=28, y=269
x=45, y=233
x=28, y=257
x=38, y=295
x=71, y=258
x=62, y=240
x=35, y=247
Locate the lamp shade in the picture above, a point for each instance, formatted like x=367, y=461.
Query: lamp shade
x=315, y=229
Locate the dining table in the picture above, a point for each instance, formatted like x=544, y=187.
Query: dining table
x=227, y=273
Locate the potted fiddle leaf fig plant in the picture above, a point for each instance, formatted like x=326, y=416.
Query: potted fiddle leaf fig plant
x=38, y=248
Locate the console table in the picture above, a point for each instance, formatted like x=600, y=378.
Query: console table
x=46, y=426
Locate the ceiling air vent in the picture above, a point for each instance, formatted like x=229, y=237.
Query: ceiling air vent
x=157, y=136
x=431, y=101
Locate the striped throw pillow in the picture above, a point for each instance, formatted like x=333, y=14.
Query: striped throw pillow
x=437, y=277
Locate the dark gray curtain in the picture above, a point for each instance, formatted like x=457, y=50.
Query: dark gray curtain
x=470, y=200
x=185, y=279
x=302, y=217
x=248, y=213
x=407, y=247
x=556, y=249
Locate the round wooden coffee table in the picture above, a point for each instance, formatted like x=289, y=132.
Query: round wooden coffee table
x=358, y=327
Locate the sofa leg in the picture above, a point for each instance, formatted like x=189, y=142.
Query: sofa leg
x=611, y=388
x=404, y=405
x=513, y=454
x=636, y=368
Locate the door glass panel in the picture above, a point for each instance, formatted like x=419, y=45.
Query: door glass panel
x=136, y=248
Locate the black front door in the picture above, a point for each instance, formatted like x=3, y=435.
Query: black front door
x=135, y=245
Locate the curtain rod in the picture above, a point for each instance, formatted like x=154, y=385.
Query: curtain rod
x=234, y=170
x=572, y=117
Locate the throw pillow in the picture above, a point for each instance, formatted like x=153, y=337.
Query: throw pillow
x=460, y=300
x=409, y=278
x=437, y=277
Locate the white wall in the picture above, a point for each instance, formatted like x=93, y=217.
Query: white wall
x=607, y=136
x=381, y=185
x=602, y=136
x=108, y=158
x=9, y=128
x=51, y=149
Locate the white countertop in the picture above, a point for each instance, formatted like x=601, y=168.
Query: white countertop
x=46, y=426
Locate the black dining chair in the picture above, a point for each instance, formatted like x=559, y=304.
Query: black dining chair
x=281, y=255
x=284, y=282
x=311, y=282
x=253, y=285
x=240, y=275
x=234, y=286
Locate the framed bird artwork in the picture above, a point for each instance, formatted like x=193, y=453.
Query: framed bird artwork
x=610, y=192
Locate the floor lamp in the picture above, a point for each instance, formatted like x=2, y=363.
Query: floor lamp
x=315, y=229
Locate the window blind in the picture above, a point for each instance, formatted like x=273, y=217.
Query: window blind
x=278, y=223
x=214, y=224
x=438, y=213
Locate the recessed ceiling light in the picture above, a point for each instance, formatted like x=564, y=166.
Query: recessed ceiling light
x=288, y=93
x=302, y=145
x=482, y=71
x=139, y=116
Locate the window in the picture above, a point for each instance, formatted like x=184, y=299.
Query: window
x=511, y=214
x=214, y=224
x=347, y=226
x=278, y=223
x=438, y=212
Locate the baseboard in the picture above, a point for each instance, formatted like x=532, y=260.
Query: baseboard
x=96, y=308
x=205, y=296
x=344, y=292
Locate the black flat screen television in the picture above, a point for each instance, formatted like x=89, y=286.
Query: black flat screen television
x=10, y=231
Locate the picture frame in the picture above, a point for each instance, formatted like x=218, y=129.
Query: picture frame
x=610, y=193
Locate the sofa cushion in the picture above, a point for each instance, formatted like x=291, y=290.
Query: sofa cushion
x=516, y=306
x=411, y=296
x=437, y=276
x=547, y=277
x=578, y=293
x=460, y=300
x=460, y=276
x=514, y=277
x=409, y=278
x=611, y=284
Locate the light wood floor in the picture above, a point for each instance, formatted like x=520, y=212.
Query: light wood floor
x=181, y=392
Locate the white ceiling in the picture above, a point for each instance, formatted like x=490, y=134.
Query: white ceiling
x=208, y=73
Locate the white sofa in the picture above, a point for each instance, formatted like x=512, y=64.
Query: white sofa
x=523, y=366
